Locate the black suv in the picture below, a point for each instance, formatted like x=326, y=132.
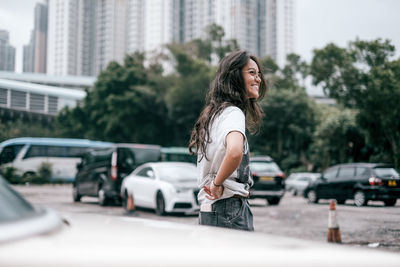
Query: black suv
x=268, y=179
x=358, y=181
x=102, y=170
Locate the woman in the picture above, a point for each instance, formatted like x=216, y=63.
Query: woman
x=221, y=144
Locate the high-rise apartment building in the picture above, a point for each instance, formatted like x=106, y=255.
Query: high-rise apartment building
x=111, y=32
x=35, y=52
x=280, y=29
x=150, y=25
x=28, y=59
x=62, y=37
x=85, y=35
x=7, y=52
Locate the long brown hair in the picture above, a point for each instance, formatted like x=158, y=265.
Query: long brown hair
x=228, y=89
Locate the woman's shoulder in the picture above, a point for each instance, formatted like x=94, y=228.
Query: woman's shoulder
x=232, y=110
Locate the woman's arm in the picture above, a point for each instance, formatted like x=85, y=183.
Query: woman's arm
x=231, y=161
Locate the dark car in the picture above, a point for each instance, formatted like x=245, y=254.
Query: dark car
x=268, y=179
x=102, y=170
x=359, y=181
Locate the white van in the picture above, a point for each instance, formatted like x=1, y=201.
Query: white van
x=26, y=154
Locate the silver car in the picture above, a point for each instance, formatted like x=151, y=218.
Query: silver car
x=298, y=181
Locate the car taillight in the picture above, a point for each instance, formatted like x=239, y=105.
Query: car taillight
x=281, y=175
x=114, y=169
x=375, y=181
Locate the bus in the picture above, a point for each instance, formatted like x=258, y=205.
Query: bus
x=26, y=154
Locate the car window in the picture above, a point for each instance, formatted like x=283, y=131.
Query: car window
x=330, y=173
x=146, y=154
x=9, y=153
x=386, y=172
x=361, y=172
x=264, y=166
x=146, y=172
x=177, y=172
x=346, y=172
x=12, y=206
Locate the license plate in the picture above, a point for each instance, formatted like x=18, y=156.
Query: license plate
x=392, y=183
x=266, y=178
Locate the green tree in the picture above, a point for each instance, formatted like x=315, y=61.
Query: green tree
x=364, y=76
x=288, y=128
x=337, y=138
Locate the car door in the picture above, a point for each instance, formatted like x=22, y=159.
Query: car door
x=144, y=187
x=344, y=183
x=324, y=185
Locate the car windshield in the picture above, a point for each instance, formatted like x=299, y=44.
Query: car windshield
x=12, y=206
x=144, y=154
x=386, y=172
x=178, y=173
x=256, y=166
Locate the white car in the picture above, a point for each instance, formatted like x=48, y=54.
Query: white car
x=298, y=181
x=164, y=186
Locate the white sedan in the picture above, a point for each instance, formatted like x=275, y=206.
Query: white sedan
x=163, y=186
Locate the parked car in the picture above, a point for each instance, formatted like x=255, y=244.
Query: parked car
x=359, y=181
x=102, y=170
x=298, y=181
x=268, y=179
x=163, y=186
x=36, y=236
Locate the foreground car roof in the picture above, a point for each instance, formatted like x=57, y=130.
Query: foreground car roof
x=93, y=240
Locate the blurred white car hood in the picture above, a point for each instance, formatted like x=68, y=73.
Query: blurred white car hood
x=97, y=240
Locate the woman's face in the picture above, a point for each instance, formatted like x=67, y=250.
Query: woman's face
x=251, y=79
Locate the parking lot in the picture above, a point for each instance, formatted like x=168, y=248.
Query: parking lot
x=373, y=226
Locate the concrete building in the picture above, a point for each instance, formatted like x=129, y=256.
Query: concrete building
x=28, y=60
x=36, y=98
x=111, y=32
x=62, y=37
x=7, y=52
x=280, y=37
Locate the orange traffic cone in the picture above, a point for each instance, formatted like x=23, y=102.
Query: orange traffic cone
x=333, y=226
x=130, y=205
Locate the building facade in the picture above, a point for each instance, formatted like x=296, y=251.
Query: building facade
x=7, y=52
x=280, y=37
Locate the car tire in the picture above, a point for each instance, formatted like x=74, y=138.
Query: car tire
x=160, y=204
x=312, y=196
x=390, y=202
x=75, y=194
x=360, y=198
x=274, y=201
x=294, y=192
x=101, y=194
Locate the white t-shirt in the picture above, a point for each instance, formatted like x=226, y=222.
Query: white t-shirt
x=229, y=120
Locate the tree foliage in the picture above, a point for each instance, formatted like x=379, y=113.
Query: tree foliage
x=363, y=76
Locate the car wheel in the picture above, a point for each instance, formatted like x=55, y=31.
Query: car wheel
x=274, y=201
x=75, y=194
x=390, y=202
x=102, y=197
x=359, y=198
x=312, y=196
x=160, y=204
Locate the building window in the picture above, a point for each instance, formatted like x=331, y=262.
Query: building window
x=52, y=104
x=18, y=99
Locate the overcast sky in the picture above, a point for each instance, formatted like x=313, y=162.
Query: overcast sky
x=318, y=22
